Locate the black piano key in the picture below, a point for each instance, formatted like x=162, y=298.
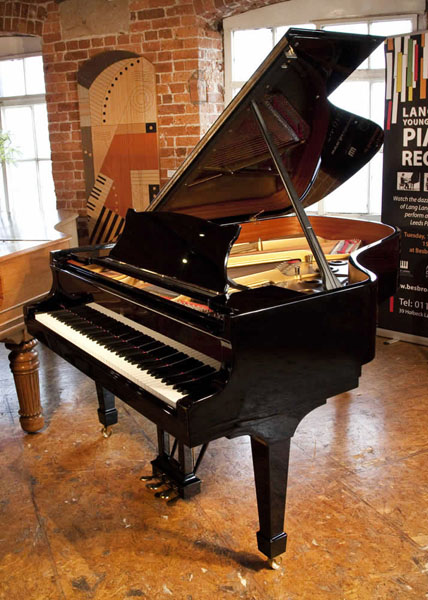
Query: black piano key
x=127, y=349
x=80, y=310
x=164, y=351
x=148, y=361
x=68, y=318
x=131, y=335
x=94, y=315
x=189, y=375
x=106, y=323
x=59, y=313
x=150, y=346
x=179, y=368
x=87, y=330
x=97, y=319
x=117, y=345
x=203, y=375
x=161, y=361
x=74, y=322
x=144, y=350
x=175, y=363
x=169, y=367
x=133, y=339
x=162, y=354
x=101, y=336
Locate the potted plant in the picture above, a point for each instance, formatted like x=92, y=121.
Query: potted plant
x=8, y=153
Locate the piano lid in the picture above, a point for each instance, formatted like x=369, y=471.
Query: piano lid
x=230, y=175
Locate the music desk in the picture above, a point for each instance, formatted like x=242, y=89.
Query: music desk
x=25, y=276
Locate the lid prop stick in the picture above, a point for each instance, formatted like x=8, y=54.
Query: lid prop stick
x=330, y=281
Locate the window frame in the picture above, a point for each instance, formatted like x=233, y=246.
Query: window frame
x=370, y=75
x=29, y=100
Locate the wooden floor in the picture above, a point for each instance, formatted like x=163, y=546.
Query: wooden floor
x=76, y=522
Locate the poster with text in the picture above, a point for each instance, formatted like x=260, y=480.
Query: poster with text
x=405, y=180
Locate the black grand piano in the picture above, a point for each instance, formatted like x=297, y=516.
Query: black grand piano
x=224, y=310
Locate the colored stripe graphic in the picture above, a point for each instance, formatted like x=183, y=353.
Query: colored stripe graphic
x=423, y=83
x=409, y=79
x=399, y=71
x=388, y=119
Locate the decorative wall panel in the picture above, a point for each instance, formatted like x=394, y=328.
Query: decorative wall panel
x=117, y=101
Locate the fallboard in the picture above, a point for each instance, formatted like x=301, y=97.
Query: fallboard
x=200, y=335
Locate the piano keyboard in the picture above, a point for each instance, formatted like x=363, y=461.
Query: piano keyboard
x=98, y=195
x=106, y=224
x=162, y=366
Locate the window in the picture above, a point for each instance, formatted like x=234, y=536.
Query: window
x=363, y=93
x=26, y=185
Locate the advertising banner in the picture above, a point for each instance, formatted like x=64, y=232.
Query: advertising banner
x=405, y=181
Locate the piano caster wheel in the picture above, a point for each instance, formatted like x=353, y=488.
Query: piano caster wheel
x=275, y=563
x=107, y=431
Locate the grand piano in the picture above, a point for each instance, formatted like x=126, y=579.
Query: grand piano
x=223, y=310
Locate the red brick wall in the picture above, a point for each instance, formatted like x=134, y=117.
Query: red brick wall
x=180, y=37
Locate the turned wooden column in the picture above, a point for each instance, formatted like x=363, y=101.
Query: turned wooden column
x=24, y=364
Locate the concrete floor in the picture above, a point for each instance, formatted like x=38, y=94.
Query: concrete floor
x=76, y=522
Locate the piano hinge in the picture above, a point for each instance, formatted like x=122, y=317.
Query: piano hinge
x=254, y=217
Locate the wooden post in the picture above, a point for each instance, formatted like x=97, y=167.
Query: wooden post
x=24, y=364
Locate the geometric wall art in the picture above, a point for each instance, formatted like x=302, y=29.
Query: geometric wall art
x=118, y=117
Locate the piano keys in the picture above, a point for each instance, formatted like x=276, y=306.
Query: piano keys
x=159, y=365
x=220, y=313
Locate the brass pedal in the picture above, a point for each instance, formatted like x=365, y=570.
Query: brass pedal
x=157, y=485
x=165, y=494
x=148, y=477
x=173, y=499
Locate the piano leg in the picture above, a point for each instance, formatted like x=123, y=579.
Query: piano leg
x=107, y=413
x=270, y=463
x=24, y=364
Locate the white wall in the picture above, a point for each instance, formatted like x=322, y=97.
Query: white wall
x=302, y=11
x=19, y=44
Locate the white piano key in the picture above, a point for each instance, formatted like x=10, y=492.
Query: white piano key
x=132, y=372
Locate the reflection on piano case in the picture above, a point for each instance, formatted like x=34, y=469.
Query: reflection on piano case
x=213, y=317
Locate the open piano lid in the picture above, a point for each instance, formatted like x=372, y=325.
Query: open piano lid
x=230, y=176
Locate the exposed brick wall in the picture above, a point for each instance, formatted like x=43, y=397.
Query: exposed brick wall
x=180, y=37
x=22, y=17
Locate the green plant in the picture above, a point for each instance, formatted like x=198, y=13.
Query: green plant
x=8, y=153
